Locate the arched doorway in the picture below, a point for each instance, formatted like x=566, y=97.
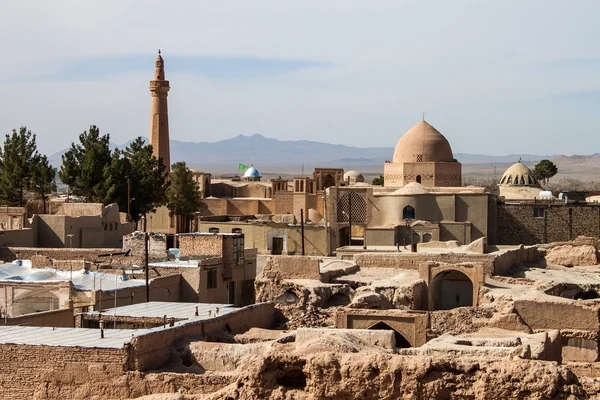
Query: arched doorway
x=328, y=181
x=426, y=238
x=451, y=289
x=418, y=178
x=338, y=299
x=401, y=341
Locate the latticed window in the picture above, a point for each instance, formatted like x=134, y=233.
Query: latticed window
x=359, y=208
x=419, y=157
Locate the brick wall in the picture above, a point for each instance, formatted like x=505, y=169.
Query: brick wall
x=24, y=369
x=561, y=222
x=9, y=254
x=200, y=245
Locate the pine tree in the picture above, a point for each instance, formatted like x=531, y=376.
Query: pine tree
x=183, y=194
x=145, y=175
x=84, y=163
x=17, y=159
x=42, y=179
x=544, y=170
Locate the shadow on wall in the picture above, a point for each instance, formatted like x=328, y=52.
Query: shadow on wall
x=451, y=289
x=510, y=230
x=401, y=341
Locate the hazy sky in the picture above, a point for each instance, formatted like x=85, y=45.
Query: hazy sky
x=495, y=77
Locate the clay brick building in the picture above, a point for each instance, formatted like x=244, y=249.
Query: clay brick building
x=531, y=222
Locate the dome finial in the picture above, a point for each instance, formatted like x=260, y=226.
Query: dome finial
x=423, y=115
x=159, y=52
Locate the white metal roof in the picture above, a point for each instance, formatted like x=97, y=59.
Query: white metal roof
x=82, y=280
x=113, y=338
x=158, y=309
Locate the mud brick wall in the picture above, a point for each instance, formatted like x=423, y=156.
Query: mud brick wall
x=200, y=245
x=493, y=264
x=558, y=314
x=292, y=267
x=157, y=244
x=516, y=223
x=9, y=254
x=153, y=349
x=24, y=369
x=61, y=265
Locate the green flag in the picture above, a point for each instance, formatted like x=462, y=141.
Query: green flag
x=242, y=167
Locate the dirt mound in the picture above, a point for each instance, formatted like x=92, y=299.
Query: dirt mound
x=571, y=256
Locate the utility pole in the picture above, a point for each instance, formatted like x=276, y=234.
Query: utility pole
x=129, y=197
x=326, y=225
x=302, y=227
x=146, y=238
x=349, y=218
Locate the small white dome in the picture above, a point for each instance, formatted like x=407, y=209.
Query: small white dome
x=412, y=188
x=353, y=177
x=252, y=173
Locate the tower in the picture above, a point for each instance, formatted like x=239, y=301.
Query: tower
x=159, y=115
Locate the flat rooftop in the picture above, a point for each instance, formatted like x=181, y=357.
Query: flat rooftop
x=158, y=309
x=113, y=338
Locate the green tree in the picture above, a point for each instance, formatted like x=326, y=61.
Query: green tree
x=378, y=181
x=183, y=194
x=139, y=169
x=42, y=179
x=544, y=170
x=84, y=163
x=17, y=158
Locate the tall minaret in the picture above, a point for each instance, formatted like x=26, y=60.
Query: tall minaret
x=159, y=115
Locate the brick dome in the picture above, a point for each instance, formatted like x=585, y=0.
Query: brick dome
x=422, y=143
x=519, y=174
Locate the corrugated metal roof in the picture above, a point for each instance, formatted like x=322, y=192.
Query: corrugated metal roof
x=82, y=280
x=158, y=309
x=113, y=338
x=82, y=337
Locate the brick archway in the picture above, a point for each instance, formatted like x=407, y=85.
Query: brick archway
x=410, y=325
x=473, y=272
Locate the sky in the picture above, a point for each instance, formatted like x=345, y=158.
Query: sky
x=495, y=77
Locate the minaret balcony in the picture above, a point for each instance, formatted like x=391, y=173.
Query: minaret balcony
x=159, y=84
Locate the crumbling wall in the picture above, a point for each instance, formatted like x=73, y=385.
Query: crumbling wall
x=157, y=244
x=507, y=258
x=153, y=349
x=9, y=254
x=558, y=314
x=292, y=267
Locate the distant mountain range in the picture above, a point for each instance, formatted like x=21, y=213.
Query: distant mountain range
x=290, y=156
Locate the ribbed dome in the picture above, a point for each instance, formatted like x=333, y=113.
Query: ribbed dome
x=422, y=143
x=519, y=174
x=252, y=173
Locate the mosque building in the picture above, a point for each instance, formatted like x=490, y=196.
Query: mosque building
x=423, y=155
x=422, y=200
